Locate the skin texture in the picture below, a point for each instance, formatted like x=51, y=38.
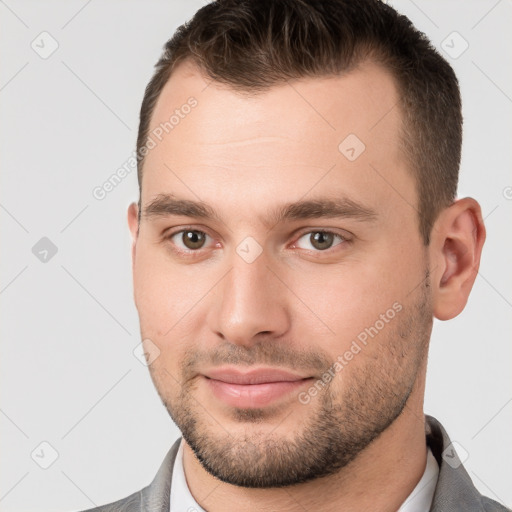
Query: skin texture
x=299, y=305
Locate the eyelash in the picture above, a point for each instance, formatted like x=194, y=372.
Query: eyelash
x=195, y=253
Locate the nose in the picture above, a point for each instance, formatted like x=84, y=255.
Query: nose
x=250, y=302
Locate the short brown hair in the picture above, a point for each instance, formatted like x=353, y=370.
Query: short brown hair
x=252, y=45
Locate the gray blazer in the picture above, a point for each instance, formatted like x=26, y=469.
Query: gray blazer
x=454, y=492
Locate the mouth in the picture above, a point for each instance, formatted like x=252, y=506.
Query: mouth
x=255, y=388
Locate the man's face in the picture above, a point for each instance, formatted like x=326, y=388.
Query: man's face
x=287, y=343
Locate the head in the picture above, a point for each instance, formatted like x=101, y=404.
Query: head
x=297, y=216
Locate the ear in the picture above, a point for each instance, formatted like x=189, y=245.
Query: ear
x=133, y=224
x=458, y=236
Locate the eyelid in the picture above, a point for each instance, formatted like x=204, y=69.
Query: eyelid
x=341, y=233
x=179, y=229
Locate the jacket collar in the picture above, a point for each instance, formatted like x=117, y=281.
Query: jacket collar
x=454, y=490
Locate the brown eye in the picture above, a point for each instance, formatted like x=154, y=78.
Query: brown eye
x=193, y=239
x=188, y=240
x=319, y=240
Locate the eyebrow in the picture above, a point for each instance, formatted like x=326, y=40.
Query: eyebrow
x=342, y=207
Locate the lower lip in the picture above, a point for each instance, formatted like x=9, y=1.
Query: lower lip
x=253, y=395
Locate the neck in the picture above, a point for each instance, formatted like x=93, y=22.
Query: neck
x=390, y=466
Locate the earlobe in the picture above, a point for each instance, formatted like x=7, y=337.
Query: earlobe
x=456, y=247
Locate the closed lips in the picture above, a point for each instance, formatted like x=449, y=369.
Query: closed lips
x=260, y=376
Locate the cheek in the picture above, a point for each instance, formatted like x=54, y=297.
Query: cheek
x=158, y=292
x=344, y=300
x=358, y=303
x=171, y=299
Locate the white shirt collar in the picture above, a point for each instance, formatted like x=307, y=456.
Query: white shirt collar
x=181, y=499
x=419, y=500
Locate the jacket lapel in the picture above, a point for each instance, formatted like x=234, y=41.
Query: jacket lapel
x=156, y=496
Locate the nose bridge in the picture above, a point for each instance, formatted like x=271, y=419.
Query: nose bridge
x=249, y=301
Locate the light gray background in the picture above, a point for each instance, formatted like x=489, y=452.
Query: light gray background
x=69, y=325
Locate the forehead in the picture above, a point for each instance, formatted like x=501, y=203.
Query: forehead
x=360, y=101
x=292, y=134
